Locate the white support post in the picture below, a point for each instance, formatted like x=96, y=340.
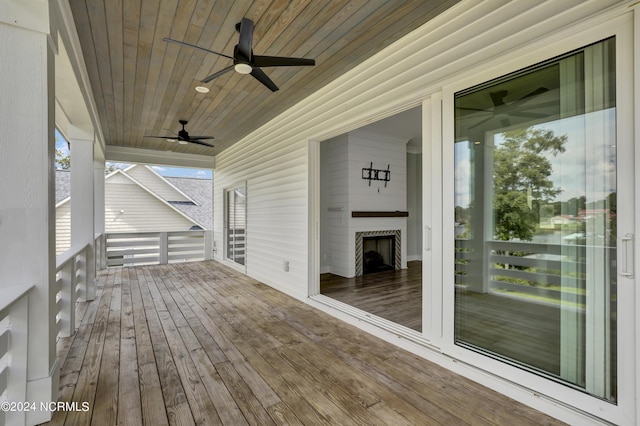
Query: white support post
x=208, y=245
x=164, y=248
x=27, y=207
x=82, y=201
x=99, y=209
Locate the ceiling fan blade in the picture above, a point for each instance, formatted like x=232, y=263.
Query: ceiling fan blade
x=159, y=137
x=170, y=40
x=246, y=38
x=482, y=122
x=278, y=61
x=538, y=91
x=197, y=138
x=217, y=74
x=200, y=143
x=474, y=109
x=528, y=114
x=259, y=75
x=498, y=97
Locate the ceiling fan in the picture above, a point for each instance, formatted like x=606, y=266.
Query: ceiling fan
x=503, y=110
x=245, y=62
x=183, y=136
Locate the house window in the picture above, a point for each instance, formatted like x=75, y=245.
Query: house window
x=235, y=228
x=535, y=219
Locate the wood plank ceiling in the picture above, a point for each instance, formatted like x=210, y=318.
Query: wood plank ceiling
x=143, y=85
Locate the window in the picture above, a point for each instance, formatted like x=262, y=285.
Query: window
x=235, y=228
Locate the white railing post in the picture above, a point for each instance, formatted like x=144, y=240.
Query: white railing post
x=103, y=251
x=66, y=303
x=164, y=248
x=89, y=272
x=208, y=245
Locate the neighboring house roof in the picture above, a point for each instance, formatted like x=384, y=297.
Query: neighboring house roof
x=63, y=185
x=200, y=191
x=191, y=196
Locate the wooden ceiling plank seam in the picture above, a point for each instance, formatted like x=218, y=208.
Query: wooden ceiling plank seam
x=147, y=23
x=150, y=84
x=321, y=34
x=158, y=47
x=97, y=17
x=212, y=32
x=361, y=15
x=329, y=68
x=83, y=26
x=292, y=77
x=176, y=94
x=113, y=15
x=311, y=11
x=305, y=26
x=179, y=28
x=247, y=82
x=223, y=41
x=130, y=28
x=242, y=83
x=223, y=83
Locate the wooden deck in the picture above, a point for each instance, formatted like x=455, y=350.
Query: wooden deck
x=198, y=343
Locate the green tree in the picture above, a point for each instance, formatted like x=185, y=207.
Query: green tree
x=521, y=180
x=63, y=160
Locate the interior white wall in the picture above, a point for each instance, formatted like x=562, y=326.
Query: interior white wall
x=343, y=191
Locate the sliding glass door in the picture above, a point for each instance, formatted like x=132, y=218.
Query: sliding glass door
x=536, y=239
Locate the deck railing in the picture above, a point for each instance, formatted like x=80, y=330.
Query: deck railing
x=153, y=248
x=71, y=283
x=539, y=272
x=14, y=334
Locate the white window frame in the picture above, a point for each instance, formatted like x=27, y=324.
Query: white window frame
x=225, y=255
x=624, y=412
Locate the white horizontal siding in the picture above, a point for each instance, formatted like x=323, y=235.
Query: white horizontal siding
x=63, y=227
x=129, y=208
x=275, y=156
x=156, y=183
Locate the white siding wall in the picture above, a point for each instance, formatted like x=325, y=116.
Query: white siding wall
x=129, y=208
x=63, y=227
x=156, y=183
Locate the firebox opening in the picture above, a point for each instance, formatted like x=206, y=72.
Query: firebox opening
x=378, y=254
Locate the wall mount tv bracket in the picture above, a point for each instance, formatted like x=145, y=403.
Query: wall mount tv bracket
x=369, y=173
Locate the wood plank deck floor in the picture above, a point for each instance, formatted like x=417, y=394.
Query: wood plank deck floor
x=199, y=343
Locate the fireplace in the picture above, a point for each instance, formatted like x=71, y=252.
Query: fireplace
x=377, y=251
x=378, y=254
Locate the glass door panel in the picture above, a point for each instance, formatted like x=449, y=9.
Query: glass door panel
x=235, y=229
x=535, y=219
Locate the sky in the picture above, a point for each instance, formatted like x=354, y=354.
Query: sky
x=61, y=144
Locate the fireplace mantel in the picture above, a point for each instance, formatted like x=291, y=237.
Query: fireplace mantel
x=379, y=214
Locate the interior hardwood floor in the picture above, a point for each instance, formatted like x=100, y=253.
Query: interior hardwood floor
x=392, y=295
x=199, y=343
